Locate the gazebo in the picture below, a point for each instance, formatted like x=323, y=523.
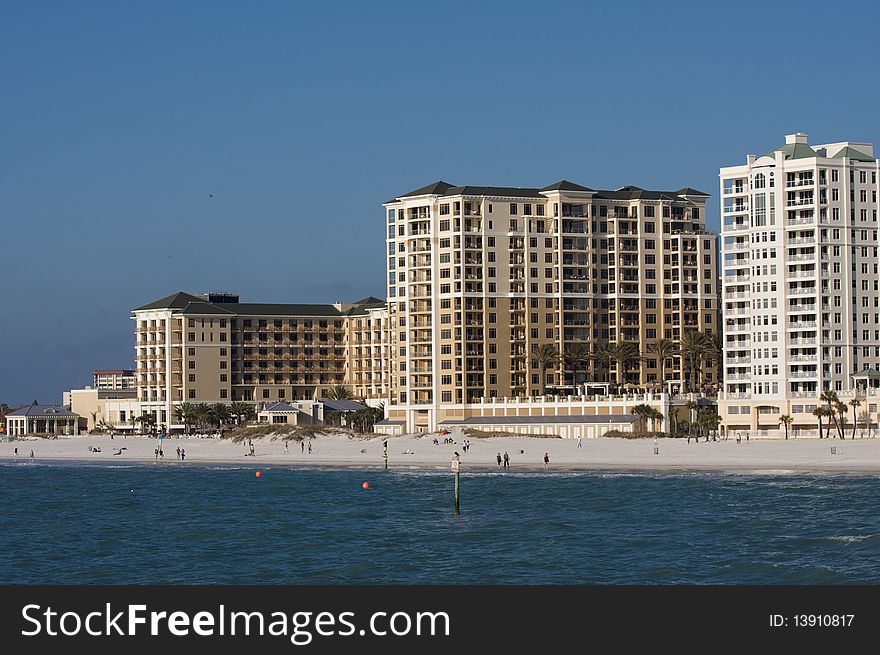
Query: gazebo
x=869, y=379
x=42, y=419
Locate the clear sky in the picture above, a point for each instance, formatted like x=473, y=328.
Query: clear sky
x=117, y=120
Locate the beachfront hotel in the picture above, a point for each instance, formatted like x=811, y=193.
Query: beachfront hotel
x=801, y=302
x=114, y=379
x=480, y=277
x=212, y=348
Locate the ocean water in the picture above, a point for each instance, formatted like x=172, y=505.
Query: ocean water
x=72, y=523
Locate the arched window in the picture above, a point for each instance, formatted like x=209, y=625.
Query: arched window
x=760, y=181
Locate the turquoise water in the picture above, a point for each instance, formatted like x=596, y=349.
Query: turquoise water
x=168, y=524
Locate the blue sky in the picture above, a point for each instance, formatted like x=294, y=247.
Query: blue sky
x=118, y=119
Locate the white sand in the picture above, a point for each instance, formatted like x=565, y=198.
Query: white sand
x=770, y=455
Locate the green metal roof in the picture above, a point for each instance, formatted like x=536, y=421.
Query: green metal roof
x=795, y=151
x=852, y=153
x=867, y=374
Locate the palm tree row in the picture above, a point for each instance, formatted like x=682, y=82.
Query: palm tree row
x=216, y=415
x=693, y=350
x=646, y=413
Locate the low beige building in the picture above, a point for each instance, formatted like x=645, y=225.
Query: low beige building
x=567, y=417
x=114, y=407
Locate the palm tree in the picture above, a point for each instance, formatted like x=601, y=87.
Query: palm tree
x=663, y=348
x=184, y=413
x=574, y=355
x=623, y=353
x=242, y=411
x=692, y=406
x=603, y=356
x=545, y=356
x=644, y=412
x=841, y=411
x=147, y=421
x=786, y=420
x=339, y=392
x=819, y=412
x=656, y=415
x=829, y=397
x=694, y=347
x=219, y=414
x=710, y=420
x=855, y=402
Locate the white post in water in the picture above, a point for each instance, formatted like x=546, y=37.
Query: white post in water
x=456, y=468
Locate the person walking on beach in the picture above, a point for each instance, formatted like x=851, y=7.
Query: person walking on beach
x=286, y=449
x=546, y=461
x=15, y=454
x=302, y=447
x=506, y=460
x=156, y=452
x=310, y=447
x=178, y=452
x=183, y=454
x=499, y=459
x=32, y=454
x=580, y=445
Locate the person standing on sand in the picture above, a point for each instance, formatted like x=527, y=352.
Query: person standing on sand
x=499, y=459
x=286, y=449
x=178, y=452
x=15, y=454
x=546, y=461
x=183, y=454
x=506, y=460
x=156, y=452
x=310, y=447
x=32, y=454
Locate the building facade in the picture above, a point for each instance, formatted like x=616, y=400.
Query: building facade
x=479, y=277
x=213, y=348
x=800, y=280
x=114, y=379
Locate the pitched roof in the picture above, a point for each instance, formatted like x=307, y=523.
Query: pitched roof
x=565, y=185
x=438, y=188
x=852, y=153
x=177, y=300
x=795, y=151
x=280, y=407
x=204, y=307
x=342, y=405
x=532, y=420
x=688, y=191
x=369, y=300
x=867, y=374
x=271, y=309
x=503, y=191
x=35, y=410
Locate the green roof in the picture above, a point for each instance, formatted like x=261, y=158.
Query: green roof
x=795, y=151
x=867, y=374
x=852, y=153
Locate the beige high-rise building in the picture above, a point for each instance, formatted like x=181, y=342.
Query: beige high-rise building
x=478, y=277
x=114, y=379
x=213, y=348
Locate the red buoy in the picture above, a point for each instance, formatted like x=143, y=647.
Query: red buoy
x=259, y=473
x=365, y=485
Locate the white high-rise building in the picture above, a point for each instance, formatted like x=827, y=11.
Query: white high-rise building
x=801, y=303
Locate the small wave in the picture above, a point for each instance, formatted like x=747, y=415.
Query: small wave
x=850, y=538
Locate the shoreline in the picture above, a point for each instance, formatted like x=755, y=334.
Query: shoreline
x=413, y=454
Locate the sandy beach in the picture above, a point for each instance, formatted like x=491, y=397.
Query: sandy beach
x=526, y=453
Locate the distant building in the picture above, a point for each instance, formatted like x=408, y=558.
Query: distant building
x=114, y=379
x=42, y=419
x=114, y=407
x=214, y=349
